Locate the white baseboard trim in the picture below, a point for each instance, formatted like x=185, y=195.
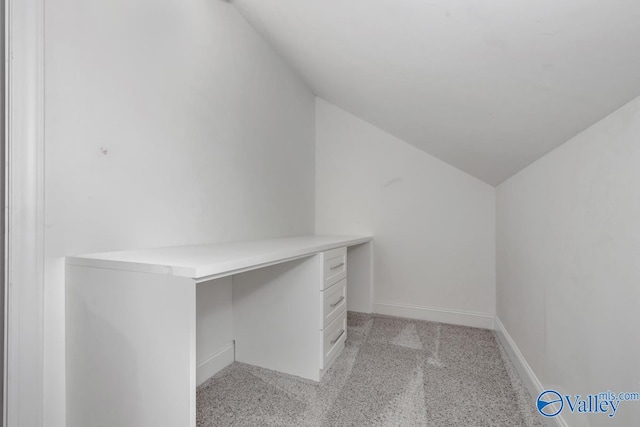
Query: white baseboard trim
x=529, y=378
x=454, y=317
x=215, y=363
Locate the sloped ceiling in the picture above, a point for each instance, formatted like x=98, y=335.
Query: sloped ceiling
x=488, y=86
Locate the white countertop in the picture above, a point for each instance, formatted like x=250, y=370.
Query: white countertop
x=215, y=260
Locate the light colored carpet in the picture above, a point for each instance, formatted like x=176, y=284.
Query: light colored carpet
x=393, y=372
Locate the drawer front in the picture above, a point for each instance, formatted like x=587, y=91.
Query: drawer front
x=333, y=341
x=335, y=302
x=335, y=266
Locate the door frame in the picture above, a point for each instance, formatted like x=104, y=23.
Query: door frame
x=24, y=212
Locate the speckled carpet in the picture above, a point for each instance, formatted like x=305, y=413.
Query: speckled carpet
x=393, y=372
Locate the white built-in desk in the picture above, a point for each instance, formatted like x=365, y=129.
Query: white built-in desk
x=131, y=320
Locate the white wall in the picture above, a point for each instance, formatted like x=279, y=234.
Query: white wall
x=568, y=258
x=434, y=225
x=168, y=122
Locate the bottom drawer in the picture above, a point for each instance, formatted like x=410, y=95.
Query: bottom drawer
x=333, y=340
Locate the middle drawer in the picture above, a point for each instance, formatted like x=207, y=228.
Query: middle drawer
x=334, y=302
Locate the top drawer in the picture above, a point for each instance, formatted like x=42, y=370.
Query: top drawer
x=335, y=266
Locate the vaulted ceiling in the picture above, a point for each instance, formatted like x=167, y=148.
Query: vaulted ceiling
x=488, y=86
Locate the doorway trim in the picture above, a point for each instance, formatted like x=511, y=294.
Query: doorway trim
x=24, y=210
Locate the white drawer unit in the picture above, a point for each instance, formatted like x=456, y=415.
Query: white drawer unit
x=334, y=302
x=335, y=266
x=334, y=337
x=333, y=324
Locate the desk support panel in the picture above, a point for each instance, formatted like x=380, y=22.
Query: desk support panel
x=276, y=314
x=130, y=349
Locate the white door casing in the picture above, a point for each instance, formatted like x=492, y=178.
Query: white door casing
x=24, y=207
